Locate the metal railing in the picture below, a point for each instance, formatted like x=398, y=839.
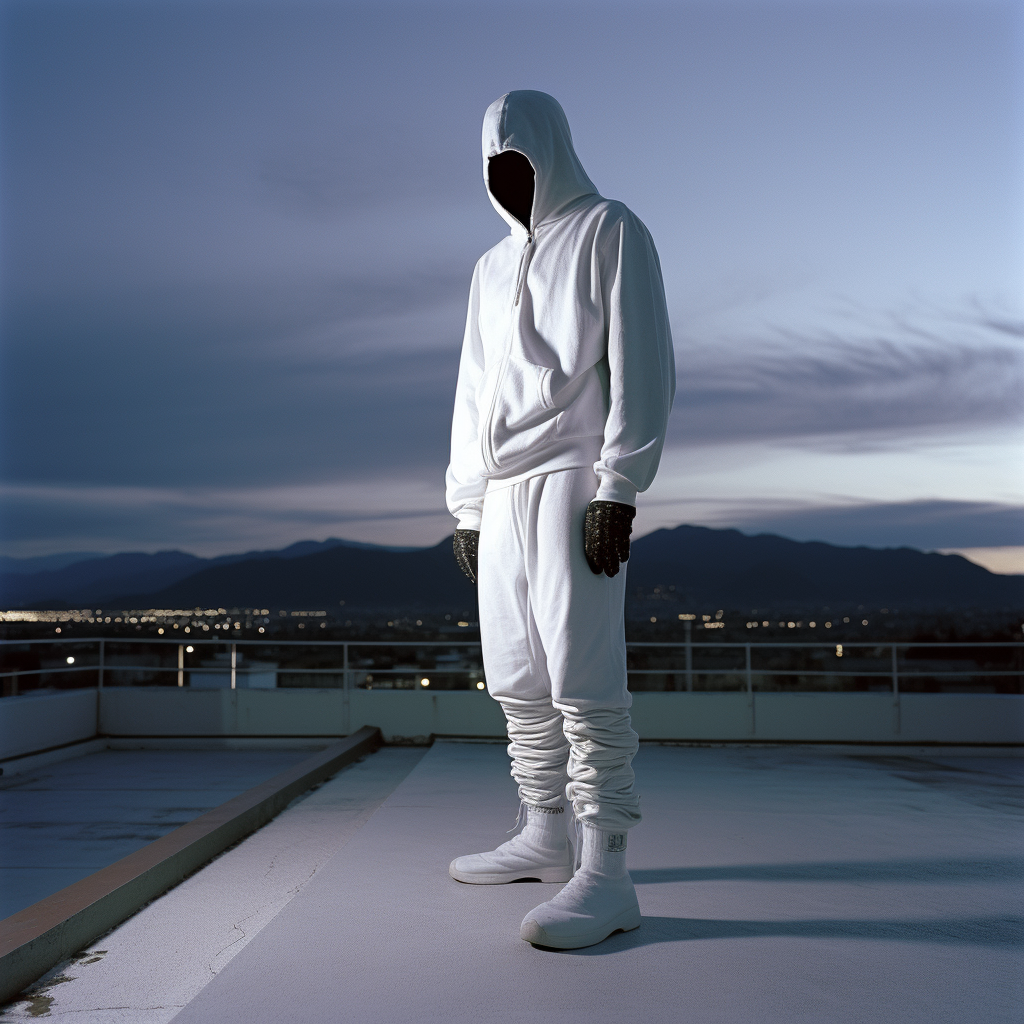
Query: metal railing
x=891, y=674
x=885, y=669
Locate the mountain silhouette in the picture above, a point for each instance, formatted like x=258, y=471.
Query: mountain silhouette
x=729, y=569
x=698, y=566
x=359, y=578
x=95, y=579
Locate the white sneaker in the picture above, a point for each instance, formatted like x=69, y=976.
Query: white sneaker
x=599, y=900
x=541, y=852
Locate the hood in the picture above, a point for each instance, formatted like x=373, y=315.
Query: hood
x=534, y=124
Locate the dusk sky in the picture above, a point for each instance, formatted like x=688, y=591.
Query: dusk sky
x=238, y=239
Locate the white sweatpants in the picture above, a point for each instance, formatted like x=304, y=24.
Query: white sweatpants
x=554, y=649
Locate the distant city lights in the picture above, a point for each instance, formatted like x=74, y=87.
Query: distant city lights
x=164, y=619
x=242, y=622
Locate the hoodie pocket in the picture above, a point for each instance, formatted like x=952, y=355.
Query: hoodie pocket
x=582, y=407
x=523, y=418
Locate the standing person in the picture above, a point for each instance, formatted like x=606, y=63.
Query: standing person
x=565, y=384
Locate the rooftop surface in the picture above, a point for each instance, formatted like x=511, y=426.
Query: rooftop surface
x=777, y=885
x=62, y=821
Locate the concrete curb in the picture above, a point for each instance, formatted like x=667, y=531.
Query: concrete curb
x=41, y=936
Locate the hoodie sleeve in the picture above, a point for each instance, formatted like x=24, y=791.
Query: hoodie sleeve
x=465, y=484
x=641, y=363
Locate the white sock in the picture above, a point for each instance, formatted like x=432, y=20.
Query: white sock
x=604, y=852
x=545, y=827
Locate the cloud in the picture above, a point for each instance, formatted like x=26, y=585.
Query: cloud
x=925, y=524
x=42, y=519
x=917, y=375
x=288, y=383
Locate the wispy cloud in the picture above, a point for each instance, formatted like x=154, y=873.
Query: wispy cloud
x=41, y=519
x=286, y=384
x=216, y=520
x=930, y=524
x=855, y=389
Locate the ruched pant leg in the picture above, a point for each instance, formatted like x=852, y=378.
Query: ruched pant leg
x=514, y=659
x=539, y=751
x=553, y=637
x=602, y=745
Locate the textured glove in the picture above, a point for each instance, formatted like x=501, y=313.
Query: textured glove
x=606, y=533
x=464, y=544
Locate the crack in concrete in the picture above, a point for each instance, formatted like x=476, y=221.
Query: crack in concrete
x=287, y=896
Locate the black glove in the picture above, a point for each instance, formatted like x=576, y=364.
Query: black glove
x=606, y=533
x=464, y=544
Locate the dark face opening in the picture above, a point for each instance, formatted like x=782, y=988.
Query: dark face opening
x=510, y=178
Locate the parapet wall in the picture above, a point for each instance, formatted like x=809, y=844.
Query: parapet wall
x=34, y=723
x=46, y=721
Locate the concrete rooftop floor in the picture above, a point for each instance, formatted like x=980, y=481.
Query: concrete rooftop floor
x=777, y=885
x=62, y=821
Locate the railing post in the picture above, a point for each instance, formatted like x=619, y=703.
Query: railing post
x=99, y=675
x=750, y=691
x=181, y=664
x=689, y=656
x=896, y=724
x=346, y=714
x=233, y=664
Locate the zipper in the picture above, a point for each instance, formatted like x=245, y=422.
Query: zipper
x=486, y=448
x=521, y=275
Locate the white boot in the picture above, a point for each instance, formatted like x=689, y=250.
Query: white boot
x=541, y=852
x=598, y=901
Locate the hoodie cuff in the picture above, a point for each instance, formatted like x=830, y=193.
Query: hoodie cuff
x=614, y=488
x=469, y=519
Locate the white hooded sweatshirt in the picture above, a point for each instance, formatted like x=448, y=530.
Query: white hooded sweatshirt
x=567, y=358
